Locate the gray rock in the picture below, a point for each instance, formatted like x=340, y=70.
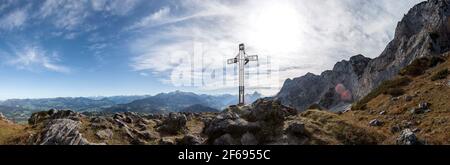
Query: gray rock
x=190, y=140
x=106, y=134
x=424, y=105
x=395, y=98
x=175, y=123
x=296, y=129
x=166, y=141
x=249, y=139
x=422, y=108
x=407, y=137
x=375, y=123
x=61, y=132
x=148, y=135
x=226, y=139
x=408, y=98
x=229, y=123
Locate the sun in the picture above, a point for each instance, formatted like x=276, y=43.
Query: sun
x=276, y=27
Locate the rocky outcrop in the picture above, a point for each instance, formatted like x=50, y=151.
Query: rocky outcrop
x=408, y=137
x=61, y=132
x=424, y=31
x=259, y=123
x=174, y=124
x=52, y=114
x=60, y=127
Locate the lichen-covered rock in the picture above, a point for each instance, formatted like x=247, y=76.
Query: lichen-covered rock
x=175, y=123
x=106, y=134
x=61, y=132
x=408, y=137
x=228, y=123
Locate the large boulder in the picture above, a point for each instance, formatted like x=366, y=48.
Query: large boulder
x=270, y=116
x=408, y=137
x=228, y=123
x=61, y=132
x=261, y=122
x=106, y=134
x=175, y=123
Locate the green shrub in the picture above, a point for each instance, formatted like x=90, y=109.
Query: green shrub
x=440, y=75
x=391, y=87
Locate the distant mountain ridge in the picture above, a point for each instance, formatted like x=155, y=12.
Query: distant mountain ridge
x=178, y=101
x=424, y=31
x=20, y=109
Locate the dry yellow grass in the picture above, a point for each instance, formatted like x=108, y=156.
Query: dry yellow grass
x=326, y=128
x=434, y=127
x=10, y=132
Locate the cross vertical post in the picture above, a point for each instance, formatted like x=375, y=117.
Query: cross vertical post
x=242, y=59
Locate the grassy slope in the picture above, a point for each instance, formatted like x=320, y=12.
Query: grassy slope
x=327, y=128
x=434, y=126
x=9, y=132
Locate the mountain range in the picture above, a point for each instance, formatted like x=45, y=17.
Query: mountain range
x=21, y=109
x=178, y=101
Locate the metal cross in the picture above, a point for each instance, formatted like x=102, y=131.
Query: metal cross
x=242, y=59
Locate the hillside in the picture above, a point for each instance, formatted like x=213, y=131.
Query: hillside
x=423, y=107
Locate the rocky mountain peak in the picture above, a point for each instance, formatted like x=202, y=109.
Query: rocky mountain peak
x=424, y=31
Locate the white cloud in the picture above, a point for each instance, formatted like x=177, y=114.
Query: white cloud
x=299, y=36
x=13, y=20
x=144, y=74
x=33, y=59
x=64, y=14
x=153, y=19
x=115, y=7
x=72, y=15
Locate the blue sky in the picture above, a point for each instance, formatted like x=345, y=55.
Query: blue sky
x=53, y=48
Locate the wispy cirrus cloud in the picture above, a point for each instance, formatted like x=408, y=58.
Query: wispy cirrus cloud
x=33, y=58
x=14, y=19
x=114, y=7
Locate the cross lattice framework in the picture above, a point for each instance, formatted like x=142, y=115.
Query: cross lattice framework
x=242, y=59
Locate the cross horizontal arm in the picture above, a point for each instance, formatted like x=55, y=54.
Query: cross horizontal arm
x=232, y=61
x=252, y=58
